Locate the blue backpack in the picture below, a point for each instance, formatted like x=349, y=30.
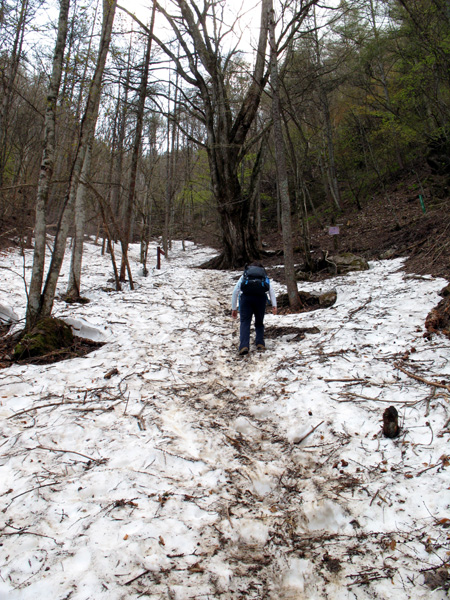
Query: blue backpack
x=255, y=281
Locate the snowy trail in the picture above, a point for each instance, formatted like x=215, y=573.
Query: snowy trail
x=193, y=473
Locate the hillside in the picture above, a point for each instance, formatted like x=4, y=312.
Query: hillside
x=391, y=225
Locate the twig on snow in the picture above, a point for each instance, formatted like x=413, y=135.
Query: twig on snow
x=126, y=404
x=28, y=491
x=146, y=572
x=378, y=495
x=355, y=310
x=95, y=460
x=428, y=400
x=303, y=438
x=50, y=404
x=346, y=380
x=22, y=531
x=352, y=396
x=444, y=461
x=421, y=379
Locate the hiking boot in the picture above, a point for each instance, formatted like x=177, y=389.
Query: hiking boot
x=243, y=351
x=260, y=347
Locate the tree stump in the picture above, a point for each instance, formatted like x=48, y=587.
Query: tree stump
x=391, y=427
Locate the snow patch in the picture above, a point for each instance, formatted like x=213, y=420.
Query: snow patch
x=326, y=515
x=7, y=315
x=294, y=580
x=86, y=330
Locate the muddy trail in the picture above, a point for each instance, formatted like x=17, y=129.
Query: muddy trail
x=195, y=473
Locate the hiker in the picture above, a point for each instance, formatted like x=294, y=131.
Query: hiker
x=251, y=291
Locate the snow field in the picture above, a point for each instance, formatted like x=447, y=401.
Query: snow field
x=193, y=473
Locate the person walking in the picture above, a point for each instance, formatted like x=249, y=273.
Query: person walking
x=250, y=291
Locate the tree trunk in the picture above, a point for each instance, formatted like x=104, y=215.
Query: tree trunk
x=383, y=78
x=136, y=149
x=330, y=180
x=282, y=178
x=238, y=232
x=117, y=153
x=172, y=151
x=300, y=197
x=47, y=166
x=169, y=184
x=331, y=161
x=73, y=288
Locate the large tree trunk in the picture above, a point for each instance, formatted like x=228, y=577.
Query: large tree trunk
x=47, y=166
x=282, y=177
x=237, y=216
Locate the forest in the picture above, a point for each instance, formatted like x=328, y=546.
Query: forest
x=141, y=455
x=189, y=122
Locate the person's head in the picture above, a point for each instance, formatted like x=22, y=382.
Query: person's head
x=256, y=263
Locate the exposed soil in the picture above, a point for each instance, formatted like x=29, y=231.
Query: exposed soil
x=80, y=347
x=394, y=224
x=388, y=226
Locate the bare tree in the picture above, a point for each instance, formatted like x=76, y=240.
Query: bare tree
x=227, y=120
x=47, y=166
x=43, y=307
x=142, y=95
x=204, y=67
x=8, y=77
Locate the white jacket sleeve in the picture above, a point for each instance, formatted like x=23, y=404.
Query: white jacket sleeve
x=236, y=294
x=273, y=298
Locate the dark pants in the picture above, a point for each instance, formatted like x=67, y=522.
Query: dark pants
x=249, y=306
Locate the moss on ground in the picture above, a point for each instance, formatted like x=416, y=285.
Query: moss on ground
x=47, y=336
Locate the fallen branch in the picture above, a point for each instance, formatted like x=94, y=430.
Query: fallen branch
x=96, y=460
x=23, y=531
x=146, y=572
x=303, y=438
x=27, y=410
x=346, y=380
x=444, y=462
x=28, y=491
x=351, y=396
x=353, y=312
x=421, y=379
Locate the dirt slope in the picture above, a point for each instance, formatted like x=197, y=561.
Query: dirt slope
x=392, y=224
